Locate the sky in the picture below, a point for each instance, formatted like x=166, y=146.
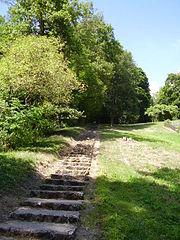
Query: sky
x=149, y=29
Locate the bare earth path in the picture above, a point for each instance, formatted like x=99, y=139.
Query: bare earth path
x=54, y=209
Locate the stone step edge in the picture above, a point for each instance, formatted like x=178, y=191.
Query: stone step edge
x=66, y=180
x=45, y=215
x=55, y=204
x=45, y=230
x=74, y=195
x=62, y=187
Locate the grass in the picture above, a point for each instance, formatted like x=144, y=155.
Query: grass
x=156, y=134
x=138, y=187
x=17, y=167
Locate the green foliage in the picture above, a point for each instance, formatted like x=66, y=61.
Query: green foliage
x=160, y=112
x=36, y=89
x=34, y=71
x=20, y=125
x=122, y=103
x=90, y=63
x=167, y=121
x=51, y=18
x=170, y=93
x=143, y=94
x=114, y=88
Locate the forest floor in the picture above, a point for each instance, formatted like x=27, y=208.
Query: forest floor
x=138, y=186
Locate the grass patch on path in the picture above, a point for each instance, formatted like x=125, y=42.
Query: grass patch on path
x=17, y=167
x=138, y=188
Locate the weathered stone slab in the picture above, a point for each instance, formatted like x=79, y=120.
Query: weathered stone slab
x=70, y=195
x=64, y=180
x=53, y=187
x=76, y=172
x=78, y=168
x=78, y=158
x=45, y=215
x=77, y=164
x=55, y=204
x=43, y=230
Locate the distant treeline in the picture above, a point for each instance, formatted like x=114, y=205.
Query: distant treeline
x=166, y=103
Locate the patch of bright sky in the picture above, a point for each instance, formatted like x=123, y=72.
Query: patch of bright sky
x=147, y=28
x=3, y=8
x=150, y=30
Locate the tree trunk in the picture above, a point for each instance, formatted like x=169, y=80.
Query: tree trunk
x=41, y=26
x=112, y=119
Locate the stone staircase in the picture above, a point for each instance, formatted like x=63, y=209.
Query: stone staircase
x=53, y=210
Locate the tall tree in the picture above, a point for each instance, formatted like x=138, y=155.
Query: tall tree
x=91, y=64
x=143, y=94
x=100, y=63
x=170, y=93
x=122, y=102
x=51, y=17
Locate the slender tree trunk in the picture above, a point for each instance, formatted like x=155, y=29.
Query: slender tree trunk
x=41, y=26
x=112, y=119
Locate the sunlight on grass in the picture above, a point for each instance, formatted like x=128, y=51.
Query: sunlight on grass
x=138, y=188
x=154, y=134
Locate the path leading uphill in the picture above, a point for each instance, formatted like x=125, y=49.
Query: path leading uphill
x=53, y=211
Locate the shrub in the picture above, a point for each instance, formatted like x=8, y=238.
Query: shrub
x=162, y=112
x=20, y=125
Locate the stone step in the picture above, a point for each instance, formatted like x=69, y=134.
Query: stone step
x=7, y=238
x=64, y=180
x=77, y=164
x=78, y=159
x=45, y=215
x=69, y=195
x=45, y=230
x=10, y=238
x=54, y=204
x=75, y=172
x=79, y=155
x=53, y=187
x=78, y=168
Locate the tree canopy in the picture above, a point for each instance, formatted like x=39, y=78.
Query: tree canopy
x=64, y=54
x=35, y=71
x=170, y=93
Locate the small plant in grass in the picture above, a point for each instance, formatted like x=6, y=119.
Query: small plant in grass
x=167, y=121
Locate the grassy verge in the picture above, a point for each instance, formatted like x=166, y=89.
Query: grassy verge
x=138, y=188
x=20, y=165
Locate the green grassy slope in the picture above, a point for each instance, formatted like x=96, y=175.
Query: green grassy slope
x=19, y=166
x=138, y=188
